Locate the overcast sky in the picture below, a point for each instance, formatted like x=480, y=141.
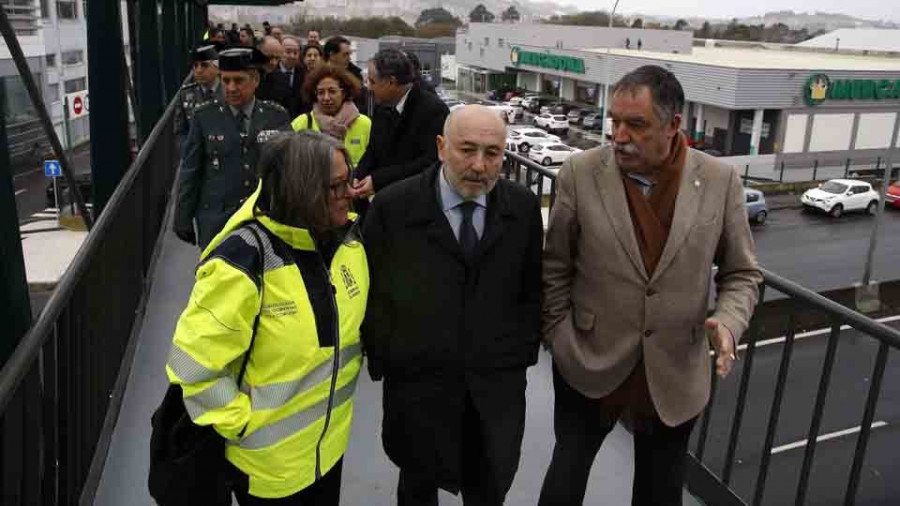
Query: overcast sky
x=870, y=9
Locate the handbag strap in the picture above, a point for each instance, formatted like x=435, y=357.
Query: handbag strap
x=262, y=270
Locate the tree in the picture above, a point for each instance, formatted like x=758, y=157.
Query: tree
x=593, y=18
x=433, y=30
x=438, y=15
x=681, y=24
x=637, y=23
x=480, y=14
x=511, y=14
x=705, y=32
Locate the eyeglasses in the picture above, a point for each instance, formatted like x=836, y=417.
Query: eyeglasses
x=340, y=188
x=330, y=92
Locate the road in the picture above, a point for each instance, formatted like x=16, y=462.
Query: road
x=31, y=184
x=855, y=359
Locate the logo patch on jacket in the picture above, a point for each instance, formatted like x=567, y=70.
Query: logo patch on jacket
x=349, y=282
x=280, y=309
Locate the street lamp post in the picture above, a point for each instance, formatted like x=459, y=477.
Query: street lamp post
x=603, y=132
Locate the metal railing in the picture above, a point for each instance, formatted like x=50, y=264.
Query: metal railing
x=60, y=391
x=716, y=489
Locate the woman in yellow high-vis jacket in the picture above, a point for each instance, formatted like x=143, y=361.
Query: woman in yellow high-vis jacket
x=332, y=91
x=288, y=424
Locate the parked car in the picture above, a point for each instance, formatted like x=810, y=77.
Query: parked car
x=838, y=196
x=562, y=109
x=592, y=121
x=576, y=116
x=755, y=201
x=507, y=112
x=892, y=198
x=523, y=139
x=552, y=122
x=552, y=153
x=517, y=108
x=515, y=101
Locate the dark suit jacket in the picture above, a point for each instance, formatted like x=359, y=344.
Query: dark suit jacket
x=296, y=104
x=440, y=328
x=409, y=146
x=275, y=87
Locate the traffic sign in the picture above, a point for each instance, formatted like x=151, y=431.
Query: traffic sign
x=78, y=104
x=52, y=169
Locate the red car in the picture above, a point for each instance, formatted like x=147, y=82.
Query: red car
x=892, y=198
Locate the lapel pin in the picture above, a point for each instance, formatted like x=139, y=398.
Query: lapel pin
x=697, y=183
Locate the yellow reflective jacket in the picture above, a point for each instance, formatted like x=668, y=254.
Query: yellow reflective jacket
x=356, y=140
x=297, y=393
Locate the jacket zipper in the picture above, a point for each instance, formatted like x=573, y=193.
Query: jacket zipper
x=336, y=330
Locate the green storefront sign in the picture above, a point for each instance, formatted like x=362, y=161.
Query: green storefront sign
x=819, y=88
x=547, y=61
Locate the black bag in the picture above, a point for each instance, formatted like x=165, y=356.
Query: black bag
x=187, y=461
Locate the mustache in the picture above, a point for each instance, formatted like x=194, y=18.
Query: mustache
x=628, y=149
x=475, y=178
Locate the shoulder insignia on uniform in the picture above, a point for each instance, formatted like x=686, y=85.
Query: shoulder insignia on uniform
x=273, y=105
x=189, y=86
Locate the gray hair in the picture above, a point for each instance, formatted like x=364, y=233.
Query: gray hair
x=665, y=90
x=295, y=169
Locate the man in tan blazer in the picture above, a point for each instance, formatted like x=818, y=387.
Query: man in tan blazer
x=632, y=240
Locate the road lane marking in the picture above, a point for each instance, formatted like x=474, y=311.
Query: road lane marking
x=812, y=333
x=19, y=192
x=824, y=437
x=27, y=173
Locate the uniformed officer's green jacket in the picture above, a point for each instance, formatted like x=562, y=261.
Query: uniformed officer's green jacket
x=218, y=169
x=277, y=423
x=191, y=95
x=356, y=140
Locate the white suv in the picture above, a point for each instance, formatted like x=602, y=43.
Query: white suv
x=837, y=196
x=552, y=122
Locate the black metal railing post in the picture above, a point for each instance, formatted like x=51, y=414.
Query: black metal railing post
x=847, y=169
x=781, y=177
x=747, y=175
x=819, y=408
x=815, y=169
x=15, y=303
x=170, y=49
x=775, y=410
x=149, y=70
x=707, y=412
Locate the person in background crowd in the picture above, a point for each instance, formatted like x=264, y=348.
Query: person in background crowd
x=454, y=316
x=403, y=130
x=312, y=56
x=295, y=71
x=332, y=90
x=273, y=83
x=206, y=87
x=417, y=71
x=246, y=37
x=338, y=52
x=218, y=168
x=313, y=36
x=267, y=28
x=305, y=345
x=278, y=33
x=234, y=35
x=632, y=239
x=217, y=35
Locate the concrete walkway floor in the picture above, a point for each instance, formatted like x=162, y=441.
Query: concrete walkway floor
x=369, y=478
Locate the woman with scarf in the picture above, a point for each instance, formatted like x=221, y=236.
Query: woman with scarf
x=332, y=91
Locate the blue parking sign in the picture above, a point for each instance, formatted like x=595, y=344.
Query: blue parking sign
x=51, y=168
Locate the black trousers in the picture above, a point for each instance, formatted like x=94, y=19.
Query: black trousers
x=324, y=492
x=478, y=487
x=581, y=424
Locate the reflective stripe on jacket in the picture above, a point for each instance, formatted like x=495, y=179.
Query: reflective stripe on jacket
x=289, y=422
x=356, y=140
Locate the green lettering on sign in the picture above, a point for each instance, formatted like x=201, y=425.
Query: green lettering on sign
x=819, y=88
x=547, y=61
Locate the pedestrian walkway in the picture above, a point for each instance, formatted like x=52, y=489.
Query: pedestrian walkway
x=369, y=478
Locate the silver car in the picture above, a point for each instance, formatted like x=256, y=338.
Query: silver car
x=756, y=206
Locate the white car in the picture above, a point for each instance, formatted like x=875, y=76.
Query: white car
x=515, y=101
x=552, y=153
x=517, y=108
x=506, y=112
x=552, y=122
x=522, y=139
x=838, y=196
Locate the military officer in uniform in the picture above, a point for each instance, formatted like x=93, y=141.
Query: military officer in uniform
x=206, y=87
x=218, y=167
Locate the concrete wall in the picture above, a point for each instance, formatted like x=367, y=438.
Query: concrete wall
x=836, y=134
x=579, y=37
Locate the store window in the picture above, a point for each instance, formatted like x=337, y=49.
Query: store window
x=54, y=92
x=74, y=57
x=51, y=59
x=500, y=42
x=73, y=85
x=66, y=10
x=23, y=15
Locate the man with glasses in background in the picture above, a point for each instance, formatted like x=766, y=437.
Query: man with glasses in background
x=273, y=84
